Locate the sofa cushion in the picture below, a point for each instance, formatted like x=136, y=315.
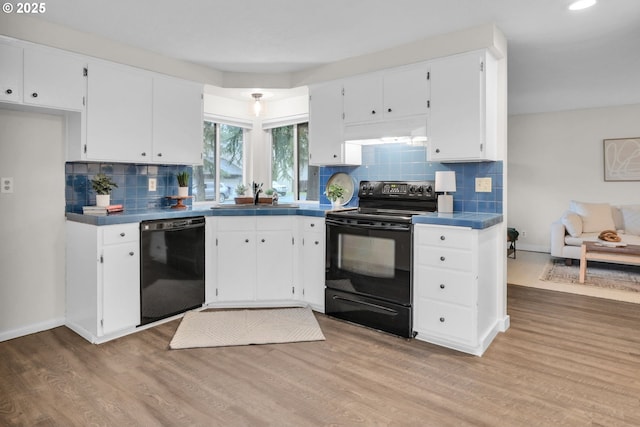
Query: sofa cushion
x=573, y=223
x=596, y=217
x=631, y=220
x=629, y=239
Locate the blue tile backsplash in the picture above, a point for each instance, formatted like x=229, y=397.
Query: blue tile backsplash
x=407, y=163
x=133, y=184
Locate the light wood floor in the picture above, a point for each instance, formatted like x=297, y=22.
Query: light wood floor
x=566, y=360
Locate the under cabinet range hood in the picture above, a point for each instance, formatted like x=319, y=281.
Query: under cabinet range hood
x=409, y=130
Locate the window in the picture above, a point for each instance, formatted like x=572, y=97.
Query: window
x=223, y=163
x=293, y=177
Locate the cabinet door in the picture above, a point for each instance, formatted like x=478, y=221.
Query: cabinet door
x=406, y=92
x=236, y=266
x=120, y=287
x=275, y=265
x=457, y=108
x=177, y=121
x=10, y=73
x=325, y=124
x=313, y=257
x=118, y=113
x=363, y=99
x=53, y=79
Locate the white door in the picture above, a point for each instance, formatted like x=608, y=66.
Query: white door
x=406, y=92
x=236, y=275
x=275, y=265
x=363, y=99
x=120, y=287
x=325, y=124
x=10, y=73
x=313, y=256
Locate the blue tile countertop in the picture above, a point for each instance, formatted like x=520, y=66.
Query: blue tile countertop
x=151, y=214
x=459, y=219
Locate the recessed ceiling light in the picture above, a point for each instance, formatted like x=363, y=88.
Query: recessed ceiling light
x=581, y=4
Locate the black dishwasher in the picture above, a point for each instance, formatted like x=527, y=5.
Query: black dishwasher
x=171, y=267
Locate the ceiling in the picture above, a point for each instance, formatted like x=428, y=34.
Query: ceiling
x=558, y=59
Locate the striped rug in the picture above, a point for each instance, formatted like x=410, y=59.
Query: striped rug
x=220, y=328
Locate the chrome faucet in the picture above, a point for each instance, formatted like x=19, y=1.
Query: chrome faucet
x=257, y=189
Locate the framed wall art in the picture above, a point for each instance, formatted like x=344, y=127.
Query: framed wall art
x=622, y=159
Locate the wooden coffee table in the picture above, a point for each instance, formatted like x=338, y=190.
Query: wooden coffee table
x=594, y=251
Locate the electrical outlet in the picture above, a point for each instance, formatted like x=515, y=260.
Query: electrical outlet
x=152, y=184
x=483, y=185
x=7, y=184
x=523, y=234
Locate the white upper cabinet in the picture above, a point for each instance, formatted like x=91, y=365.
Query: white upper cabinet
x=326, y=136
x=54, y=79
x=119, y=113
x=463, y=113
x=42, y=77
x=177, y=121
x=10, y=73
x=387, y=95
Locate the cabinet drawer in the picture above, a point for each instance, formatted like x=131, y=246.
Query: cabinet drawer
x=446, y=321
x=447, y=237
x=121, y=233
x=445, y=258
x=315, y=225
x=444, y=285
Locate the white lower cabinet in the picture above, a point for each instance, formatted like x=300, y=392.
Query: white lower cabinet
x=255, y=258
x=312, y=258
x=103, y=279
x=456, y=288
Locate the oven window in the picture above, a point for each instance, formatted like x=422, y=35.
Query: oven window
x=367, y=255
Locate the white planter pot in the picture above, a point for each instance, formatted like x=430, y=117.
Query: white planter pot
x=183, y=191
x=103, y=200
x=335, y=204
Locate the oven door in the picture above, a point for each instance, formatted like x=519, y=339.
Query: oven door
x=369, y=258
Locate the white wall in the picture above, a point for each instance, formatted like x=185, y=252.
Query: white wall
x=557, y=157
x=32, y=247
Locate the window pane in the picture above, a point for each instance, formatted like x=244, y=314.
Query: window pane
x=308, y=176
x=282, y=161
x=231, y=160
x=204, y=176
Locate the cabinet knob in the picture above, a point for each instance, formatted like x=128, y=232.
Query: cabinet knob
x=143, y=154
x=312, y=225
x=442, y=319
x=441, y=285
x=437, y=150
x=159, y=154
x=316, y=242
x=246, y=240
x=8, y=91
x=373, y=111
x=122, y=234
x=442, y=238
x=34, y=94
x=335, y=156
x=388, y=110
x=441, y=258
x=131, y=253
x=262, y=240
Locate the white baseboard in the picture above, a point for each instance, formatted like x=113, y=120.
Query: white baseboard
x=31, y=329
x=532, y=248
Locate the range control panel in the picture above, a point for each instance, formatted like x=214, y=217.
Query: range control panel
x=397, y=189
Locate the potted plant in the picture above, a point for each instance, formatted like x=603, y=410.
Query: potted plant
x=334, y=193
x=241, y=189
x=103, y=185
x=183, y=183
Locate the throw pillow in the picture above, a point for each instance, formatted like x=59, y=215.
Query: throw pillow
x=631, y=220
x=573, y=223
x=596, y=217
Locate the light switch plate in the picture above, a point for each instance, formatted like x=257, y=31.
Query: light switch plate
x=483, y=185
x=152, y=184
x=7, y=184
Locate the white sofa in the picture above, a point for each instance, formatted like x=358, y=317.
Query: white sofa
x=584, y=221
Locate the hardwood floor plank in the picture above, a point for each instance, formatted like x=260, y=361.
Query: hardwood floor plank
x=567, y=360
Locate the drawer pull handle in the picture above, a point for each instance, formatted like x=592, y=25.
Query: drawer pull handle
x=131, y=253
x=442, y=319
x=441, y=285
x=442, y=238
x=122, y=234
x=316, y=242
x=442, y=258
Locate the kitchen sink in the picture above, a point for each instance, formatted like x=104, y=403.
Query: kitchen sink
x=259, y=206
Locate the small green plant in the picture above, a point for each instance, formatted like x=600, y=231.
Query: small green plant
x=183, y=178
x=334, y=192
x=269, y=192
x=241, y=189
x=103, y=184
